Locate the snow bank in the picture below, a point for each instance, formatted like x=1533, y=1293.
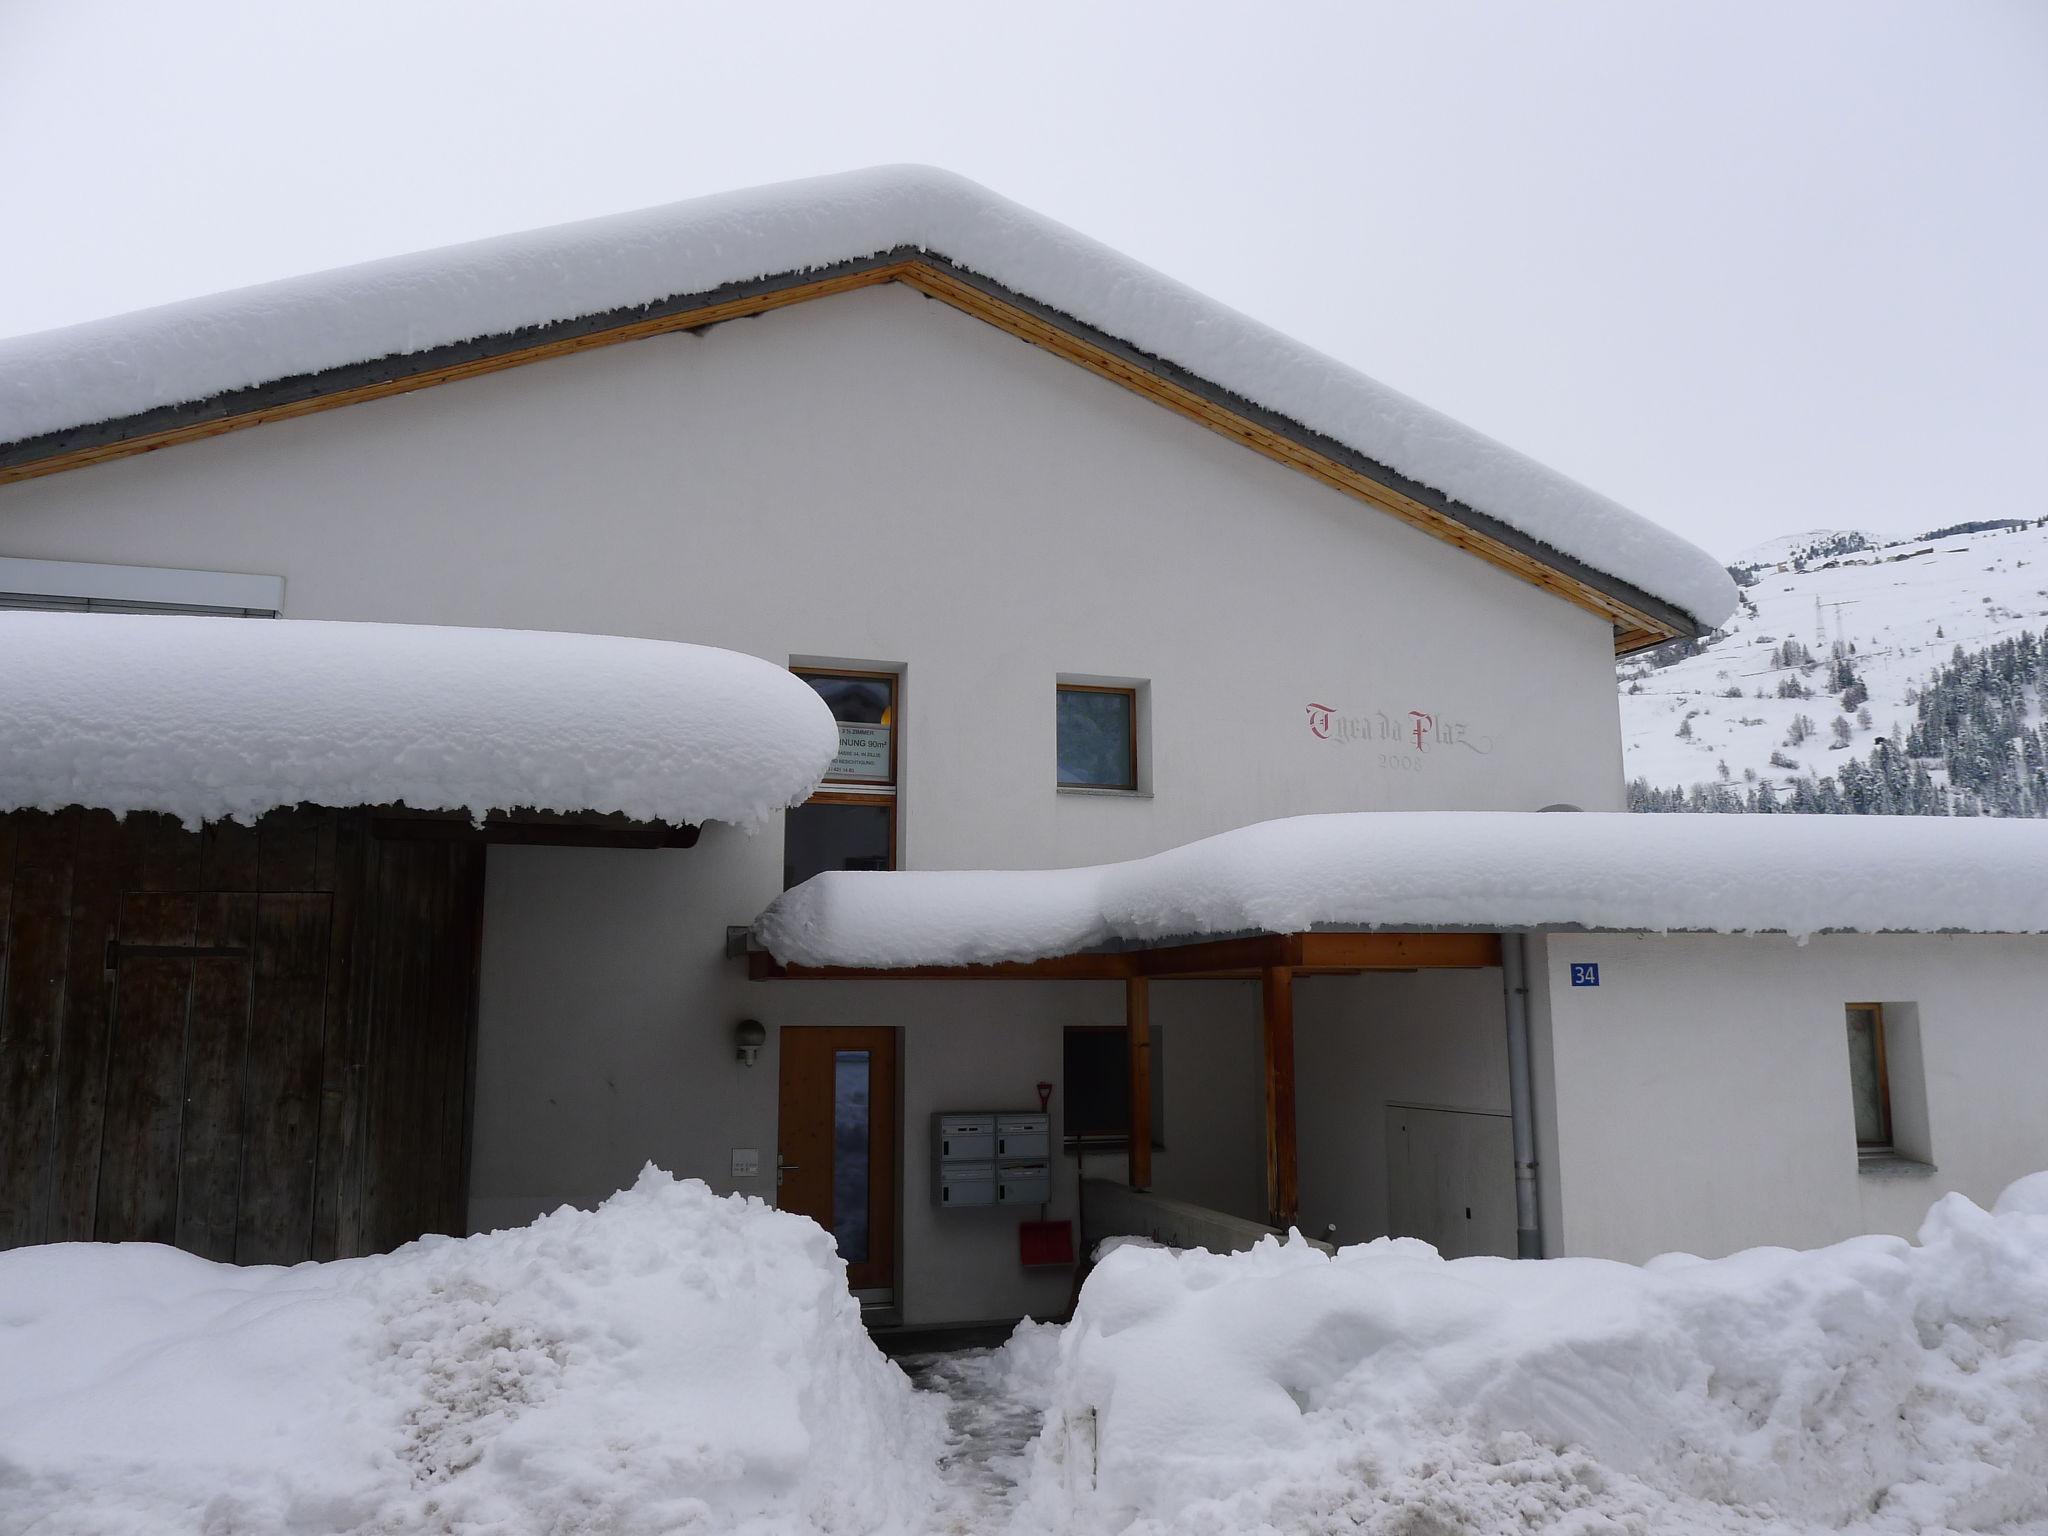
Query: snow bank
x=209, y=719
x=1874, y=1386
x=1419, y=869
x=194, y=350
x=669, y=1362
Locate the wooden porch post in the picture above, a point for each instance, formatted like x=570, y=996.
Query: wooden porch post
x=1283, y=1191
x=1138, y=1045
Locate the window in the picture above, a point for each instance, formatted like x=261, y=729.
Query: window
x=851, y=822
x=1869, y=1084
x=1098, y=737
x=76, y=587
x=1096, y=1073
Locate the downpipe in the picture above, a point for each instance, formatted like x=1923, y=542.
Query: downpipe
x=1514, y=970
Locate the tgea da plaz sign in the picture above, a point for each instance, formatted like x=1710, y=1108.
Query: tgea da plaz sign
x=1410, y=736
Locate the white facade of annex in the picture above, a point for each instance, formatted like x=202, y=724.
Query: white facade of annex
x=1700, y=1094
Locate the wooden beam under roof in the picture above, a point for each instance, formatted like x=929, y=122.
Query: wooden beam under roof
x=1237, y=959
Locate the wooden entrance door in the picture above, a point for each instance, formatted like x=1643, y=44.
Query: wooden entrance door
x=836, y=1143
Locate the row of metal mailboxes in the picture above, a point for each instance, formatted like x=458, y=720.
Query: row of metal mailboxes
x=975, y=1137
x=958, y=1183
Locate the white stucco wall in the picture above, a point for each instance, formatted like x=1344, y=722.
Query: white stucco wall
x=1701, y=1091
x=605, y=1041
x=1431, y=1038
x=873, y=478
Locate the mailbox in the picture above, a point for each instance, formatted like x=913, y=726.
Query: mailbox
x=966, y=1184
x=960, y=1138
x=991, y=1158
x=1023, y=1183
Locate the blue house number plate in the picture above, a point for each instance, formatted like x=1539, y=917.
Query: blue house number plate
x=1585, y=975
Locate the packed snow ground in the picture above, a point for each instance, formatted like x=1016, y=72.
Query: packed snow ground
x=210, y=719
x=1478, y=869
x=1906, y=606
x=677, y=1362
x=195, y=350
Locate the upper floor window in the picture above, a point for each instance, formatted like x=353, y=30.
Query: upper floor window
x=74, y=586
x=851, y=822
x=1869, y=1079
x=1098, y=736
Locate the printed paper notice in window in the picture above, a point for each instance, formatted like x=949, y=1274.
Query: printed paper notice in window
x=864, y=704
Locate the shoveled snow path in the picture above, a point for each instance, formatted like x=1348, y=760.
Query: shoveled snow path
x=991, y=1428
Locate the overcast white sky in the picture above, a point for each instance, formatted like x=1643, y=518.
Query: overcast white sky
x=1747, y=267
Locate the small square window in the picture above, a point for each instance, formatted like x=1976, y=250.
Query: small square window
x=1098, y=737
x=1096, y=1074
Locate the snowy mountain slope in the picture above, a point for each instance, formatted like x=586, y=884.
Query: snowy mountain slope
x=1904, y=607
x=1815, y=544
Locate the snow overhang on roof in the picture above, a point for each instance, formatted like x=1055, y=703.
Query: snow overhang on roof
x=197, y=368
x=1506, y=870
x=213, y=719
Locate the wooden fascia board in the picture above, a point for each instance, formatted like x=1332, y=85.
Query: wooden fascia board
x=1638, y=619
x=1208, y=960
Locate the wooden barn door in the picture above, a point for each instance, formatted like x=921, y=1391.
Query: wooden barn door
x=213, y=1073
x=252, y=1042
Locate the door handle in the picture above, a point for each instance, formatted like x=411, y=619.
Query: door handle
x=781, y=1168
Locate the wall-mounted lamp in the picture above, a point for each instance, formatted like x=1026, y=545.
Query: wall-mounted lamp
x=749, y=1035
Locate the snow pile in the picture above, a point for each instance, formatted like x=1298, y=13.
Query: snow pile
x=209, y=719
x=1874, y=1386
x=669, y=1362
x=191, y=351
x=1421, y=869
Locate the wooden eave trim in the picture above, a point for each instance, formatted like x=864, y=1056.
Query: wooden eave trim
x=1638, y=620
x=1237, y=959
x=355, y=383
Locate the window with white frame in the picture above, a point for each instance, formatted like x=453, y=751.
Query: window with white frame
x=80, y=587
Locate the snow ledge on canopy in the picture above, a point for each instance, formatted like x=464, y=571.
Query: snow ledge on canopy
x=1793, y=875
x=181, y=353
x=211, y=719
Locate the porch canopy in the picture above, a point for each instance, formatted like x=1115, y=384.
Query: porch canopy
x=217, y=719
x=1436, y=870
x=1363, y=891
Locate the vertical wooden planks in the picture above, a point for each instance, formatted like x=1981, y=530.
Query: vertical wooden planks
x=138, y=1195
x=281, y=1087
x=31, y=1019
x=227, y=857
x=216, y=1047
x=288, y=847
x=338, y=1168
x=101, y=869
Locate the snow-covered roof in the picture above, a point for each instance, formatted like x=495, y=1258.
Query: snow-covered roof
x=214, y=718
x=113, y=369
x=1798, y=875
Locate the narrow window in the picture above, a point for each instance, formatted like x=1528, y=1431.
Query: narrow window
x=1096, y=1075
x=1868, y=1082
x=851, y=822
x=1098, y=737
